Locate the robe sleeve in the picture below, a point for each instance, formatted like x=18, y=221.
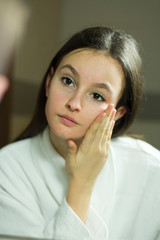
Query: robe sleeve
x=21, y=214
x=19, y=220
x=66, y=221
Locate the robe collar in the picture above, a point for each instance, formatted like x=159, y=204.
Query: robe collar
x=51, y=167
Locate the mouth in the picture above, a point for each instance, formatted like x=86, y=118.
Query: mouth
x=68, y=120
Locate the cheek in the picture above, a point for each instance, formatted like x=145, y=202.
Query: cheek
x=92, y=113
x=55, y=100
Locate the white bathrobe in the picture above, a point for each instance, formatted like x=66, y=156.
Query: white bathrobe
x=125, y=203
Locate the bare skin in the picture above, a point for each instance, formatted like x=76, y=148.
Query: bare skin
x=85, y=164
x=76, y=90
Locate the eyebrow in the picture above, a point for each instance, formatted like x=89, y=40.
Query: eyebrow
x=98, y=85
x=104, y=86
x=73, y=70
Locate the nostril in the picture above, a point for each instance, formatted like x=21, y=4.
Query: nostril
x=73, y=105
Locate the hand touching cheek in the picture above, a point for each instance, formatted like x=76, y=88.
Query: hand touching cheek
x=85, y=163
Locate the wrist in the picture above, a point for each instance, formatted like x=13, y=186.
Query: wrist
x=81, y=186
x=78, y=197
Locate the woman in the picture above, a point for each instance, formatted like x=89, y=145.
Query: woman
x=64, y=178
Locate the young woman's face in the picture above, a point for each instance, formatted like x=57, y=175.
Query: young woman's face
x=85, y=82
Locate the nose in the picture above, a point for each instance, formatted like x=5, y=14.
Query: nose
x=75, y=102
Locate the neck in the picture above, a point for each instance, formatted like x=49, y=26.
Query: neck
x=61, y=145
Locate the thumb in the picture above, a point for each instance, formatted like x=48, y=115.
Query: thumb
x=71, y=157
x=72, y=147
x=72, y=152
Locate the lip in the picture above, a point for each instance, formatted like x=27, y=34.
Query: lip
x=68, y=120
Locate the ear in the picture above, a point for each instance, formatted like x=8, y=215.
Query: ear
x=48, y=81
x=120, y=112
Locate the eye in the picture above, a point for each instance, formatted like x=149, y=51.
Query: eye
x=98, y=97
x=68, y=81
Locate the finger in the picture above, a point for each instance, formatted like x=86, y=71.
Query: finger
x=89, y=136
x=111, y=130
x=107, y=137
x=101, y=120
x=72, y=145
x=104, y=129
x=92, y=131
x=105, y=141
x=108, y=129
x=72, y=150
x=109, y=109
x=107, y=121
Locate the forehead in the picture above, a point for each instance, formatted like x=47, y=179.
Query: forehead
x=83, y=53
x=88, y=58
x=95, y=66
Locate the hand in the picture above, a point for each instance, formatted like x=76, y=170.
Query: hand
x=85, y=164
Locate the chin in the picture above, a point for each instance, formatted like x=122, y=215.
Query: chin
x=67, y=133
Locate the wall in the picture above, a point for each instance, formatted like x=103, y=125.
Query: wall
x=39, y=44
x=140, y=19
x=52, y=22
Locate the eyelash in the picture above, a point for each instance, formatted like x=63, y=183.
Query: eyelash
x=99, y=95
x=66, y=78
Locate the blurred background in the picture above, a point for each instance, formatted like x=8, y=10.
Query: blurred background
x=50, y=24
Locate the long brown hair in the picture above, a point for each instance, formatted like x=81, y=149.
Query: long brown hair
x=121, y=47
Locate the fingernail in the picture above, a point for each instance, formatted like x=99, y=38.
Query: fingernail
x=113, y=123
x=102, y=116
x=69, y=144
x=110, y=107
x=113, y=111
